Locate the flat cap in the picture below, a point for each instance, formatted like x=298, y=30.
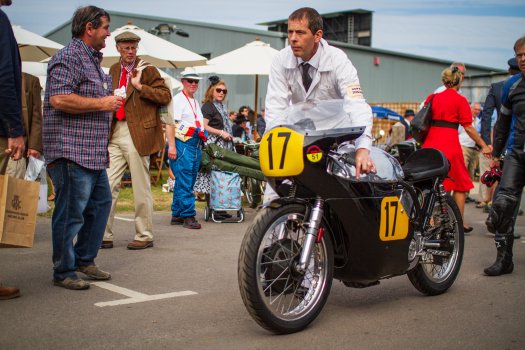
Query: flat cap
x=409, y=113
x=127, y=36
x=513, y=63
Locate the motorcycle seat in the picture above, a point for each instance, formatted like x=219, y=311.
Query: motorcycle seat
x=426, y=163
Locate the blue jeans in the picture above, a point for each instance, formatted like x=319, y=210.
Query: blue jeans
x=82, y=205
x=185, y=169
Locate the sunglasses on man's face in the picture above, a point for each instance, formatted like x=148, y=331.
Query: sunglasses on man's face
x=191, y=81
x=219, y=90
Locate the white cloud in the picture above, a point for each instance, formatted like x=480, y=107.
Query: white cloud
x=480, y=40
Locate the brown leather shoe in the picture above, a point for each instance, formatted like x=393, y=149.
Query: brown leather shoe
x=135, y=245
x=9, y=293
x=191, y=223
x=106, y=245
x=176, y=220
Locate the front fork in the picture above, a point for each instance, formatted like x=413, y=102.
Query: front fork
x=316, y=216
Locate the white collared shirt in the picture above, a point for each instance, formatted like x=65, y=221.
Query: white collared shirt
x=334, y=78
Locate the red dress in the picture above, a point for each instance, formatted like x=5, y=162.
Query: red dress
x=450, y=106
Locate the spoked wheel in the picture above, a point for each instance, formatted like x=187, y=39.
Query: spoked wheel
x=248, y=189
x=438, y=267
x=275, y=294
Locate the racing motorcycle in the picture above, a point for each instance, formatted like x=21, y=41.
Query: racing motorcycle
x=326, y=222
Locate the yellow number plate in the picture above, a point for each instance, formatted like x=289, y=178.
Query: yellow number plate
x=281, y=153
x=394, y=220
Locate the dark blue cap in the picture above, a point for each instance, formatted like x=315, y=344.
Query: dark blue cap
x=513, y=63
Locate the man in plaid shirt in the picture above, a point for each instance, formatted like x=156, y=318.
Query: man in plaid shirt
x=78, y=107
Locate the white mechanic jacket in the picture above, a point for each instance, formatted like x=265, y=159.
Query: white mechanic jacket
x=335, y=78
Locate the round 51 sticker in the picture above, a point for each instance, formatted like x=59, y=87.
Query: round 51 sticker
x=314, y=154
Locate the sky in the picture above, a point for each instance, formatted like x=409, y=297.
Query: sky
x=480, y=32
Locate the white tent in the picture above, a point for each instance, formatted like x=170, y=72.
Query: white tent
x=157, y=51
x=34, y=47
x=254, y=58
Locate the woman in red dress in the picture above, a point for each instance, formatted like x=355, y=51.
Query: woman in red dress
x=449, y=109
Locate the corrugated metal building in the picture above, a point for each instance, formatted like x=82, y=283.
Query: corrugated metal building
x=386, y=76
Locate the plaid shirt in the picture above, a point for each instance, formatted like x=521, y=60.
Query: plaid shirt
x=81, y=138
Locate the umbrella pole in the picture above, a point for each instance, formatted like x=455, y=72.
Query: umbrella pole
x=254, y=130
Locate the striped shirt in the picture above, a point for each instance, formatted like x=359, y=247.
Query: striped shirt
x=83, y=137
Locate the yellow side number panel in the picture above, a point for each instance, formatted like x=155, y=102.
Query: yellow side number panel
x=394, y=220
x=281, y=153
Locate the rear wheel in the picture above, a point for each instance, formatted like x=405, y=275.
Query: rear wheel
x=207, y=213
x=438, y=267
x=275, y=294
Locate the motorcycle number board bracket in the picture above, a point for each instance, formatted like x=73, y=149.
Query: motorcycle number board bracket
x=281, y=153
x=394, y=220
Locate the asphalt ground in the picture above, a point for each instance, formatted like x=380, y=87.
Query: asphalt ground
x=193, y=275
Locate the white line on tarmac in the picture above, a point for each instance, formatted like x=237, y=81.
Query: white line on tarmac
x=135, y=297
x=124, y=219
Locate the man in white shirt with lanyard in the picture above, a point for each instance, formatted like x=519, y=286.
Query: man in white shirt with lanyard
x=185, y=141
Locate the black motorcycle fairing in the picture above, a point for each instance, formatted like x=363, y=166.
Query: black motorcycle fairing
x=367, y=257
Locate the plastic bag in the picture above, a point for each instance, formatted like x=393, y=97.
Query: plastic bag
x=34, y=167
x=36, y=171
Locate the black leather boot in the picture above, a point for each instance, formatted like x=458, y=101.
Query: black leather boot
x=503, y=263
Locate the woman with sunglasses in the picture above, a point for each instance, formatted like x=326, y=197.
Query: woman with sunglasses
x=219, y=130
x=185, y=141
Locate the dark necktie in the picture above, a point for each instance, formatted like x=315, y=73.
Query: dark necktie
x=307, y=80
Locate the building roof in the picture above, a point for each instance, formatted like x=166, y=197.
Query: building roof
x=267, y=33
x=327, y=15
x=490, y=70
x=179, y=21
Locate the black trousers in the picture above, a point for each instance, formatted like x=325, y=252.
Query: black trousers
x=505, y=205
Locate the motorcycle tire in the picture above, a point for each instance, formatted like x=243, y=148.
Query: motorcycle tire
x=435, y=274
x=277, y=297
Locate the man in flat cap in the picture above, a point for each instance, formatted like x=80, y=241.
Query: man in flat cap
x=136, y=133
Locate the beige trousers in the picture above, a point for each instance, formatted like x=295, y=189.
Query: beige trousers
x=471, y=158
x=484, y=165
x=123, y=154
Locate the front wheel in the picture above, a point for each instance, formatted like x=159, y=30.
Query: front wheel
x=438, y=267
x=276, y=295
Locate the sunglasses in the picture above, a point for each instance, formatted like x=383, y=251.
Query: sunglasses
x=191, y=81
x=219, y=90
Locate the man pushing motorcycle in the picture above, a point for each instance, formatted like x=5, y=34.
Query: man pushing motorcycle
x=330, y=222
x=310, y=69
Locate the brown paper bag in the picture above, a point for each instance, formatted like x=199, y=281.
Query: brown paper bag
x=18, y=205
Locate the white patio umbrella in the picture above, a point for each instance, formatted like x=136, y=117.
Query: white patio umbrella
x=37, y=69
x=157, y=51
x=175, y=83
x=253, y=58
x=34, y=47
